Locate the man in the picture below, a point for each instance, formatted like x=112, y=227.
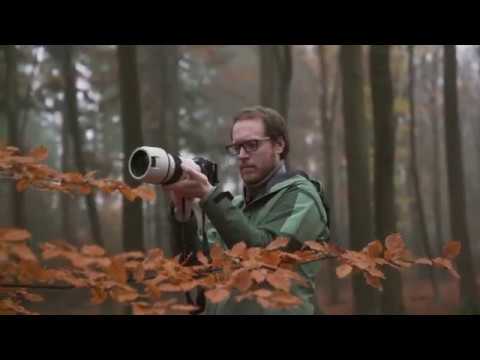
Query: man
x=275, y=203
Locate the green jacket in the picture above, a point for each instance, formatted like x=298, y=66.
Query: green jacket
x=289, y=206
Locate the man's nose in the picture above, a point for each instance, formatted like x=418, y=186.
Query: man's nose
x=243, y=154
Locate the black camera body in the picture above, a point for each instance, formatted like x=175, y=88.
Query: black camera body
x=209, y=169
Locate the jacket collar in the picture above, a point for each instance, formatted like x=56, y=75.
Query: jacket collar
x=251, y=193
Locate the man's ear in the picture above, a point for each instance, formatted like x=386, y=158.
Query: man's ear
x=279, y=146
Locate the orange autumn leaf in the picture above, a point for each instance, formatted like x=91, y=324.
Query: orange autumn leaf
x=375, y=249
x=278, y=281
x=216, y=252
x=23, y=252
x=128, y=193
x=123, y=295
x=14, y=235
x=117, y=271
x=315, y=245
x=452, y=249
x=242, y=280
x=23, y=185
x=424, y=261
x=73, y=178
x=183, y=308
x=278, y=244
x=238, y=250
x=98, y=295
x=139, y=274
x=217, y=295
x=344, y=270
x=145, y=193
x=40, y=153
x=258, y=275
x=202, y=258
x=373, y=281
x=93, y=250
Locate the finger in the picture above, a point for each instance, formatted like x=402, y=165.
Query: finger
x=193, y=174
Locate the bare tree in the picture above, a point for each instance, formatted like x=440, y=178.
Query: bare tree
x=456, y=181
x=132, y=138
x=359, y=192
x=17, y=198
x=385, y=128
x=414, y=167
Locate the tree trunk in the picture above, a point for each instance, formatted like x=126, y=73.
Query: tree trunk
x=71, y=115
x=328, y=130
x=132, y=138
x=437, y=170
x=414, y=168
x=385, y=128
x=67, y=223
x=276, y=69
x=164, y=82
x=456, y=182
x=17, y=198
x=359, y=193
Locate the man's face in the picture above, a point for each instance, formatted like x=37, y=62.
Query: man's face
x=256, y=165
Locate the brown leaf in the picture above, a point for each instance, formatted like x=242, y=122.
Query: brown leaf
x=188, y=286
x=183, y=308
x=344, y=270
x=23, y=252
x=40, y=153
x=123, y=296
x=272, y=259
x=394, y=242
x=169, y=288
x=117, y=271
x=447, y=264
x=145, y=193
x=278, y=281
x=238, y=250
x=202, y=258
x=278, y=244
x=157, y=280
x=263, y=293
x=14, y=235
x=373, y=281
x=217, y=295
x=139, y=274
x=315, y=245
x=23, y=185
x=424, y=261
x=375, y=249
x=33, y=297
x=93, y=250
x=98, y=295
x=258, y=275
x=452, y=249
x=216, y=252
x=128, y=193
x=73, y=178
x=282, y=299
x=242, y=280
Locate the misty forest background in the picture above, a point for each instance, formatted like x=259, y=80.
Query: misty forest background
x=392, y=131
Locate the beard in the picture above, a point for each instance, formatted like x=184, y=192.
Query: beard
x=258, y=175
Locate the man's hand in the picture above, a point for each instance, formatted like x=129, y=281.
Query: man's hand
x=194, y=185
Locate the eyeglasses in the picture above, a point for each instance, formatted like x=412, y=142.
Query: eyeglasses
x=250, y=146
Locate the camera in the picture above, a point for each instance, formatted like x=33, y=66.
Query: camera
x=156, y=166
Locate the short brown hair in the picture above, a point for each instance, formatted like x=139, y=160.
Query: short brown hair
x=275, y=124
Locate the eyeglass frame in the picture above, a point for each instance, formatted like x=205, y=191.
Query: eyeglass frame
x=242, y=145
